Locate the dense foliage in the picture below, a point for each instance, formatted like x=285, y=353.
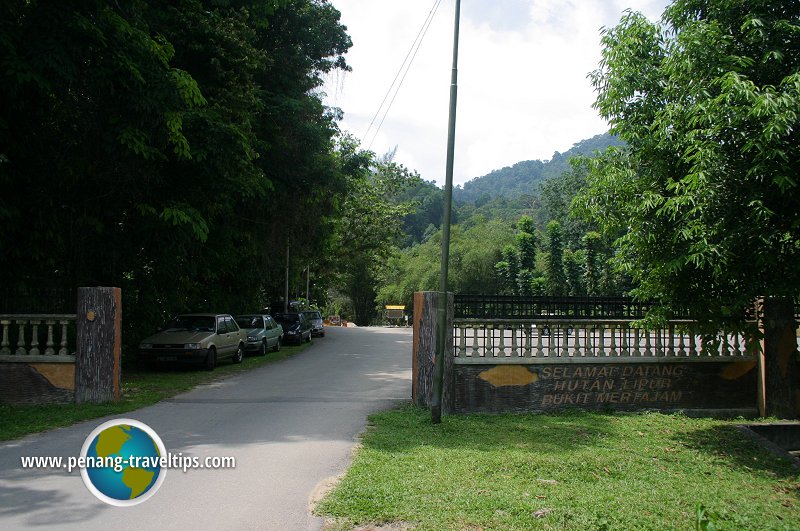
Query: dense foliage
x=473, y=253
x=169, y=148
x=500, y=243
x=369, y=226
x=704, y=200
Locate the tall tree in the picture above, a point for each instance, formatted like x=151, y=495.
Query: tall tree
x=508, y=268
x=516, y=268
x=557, y=193
x=706, y=193
x=572, y=273
x=555, y=281
x=166, y=148
x=526, y=243
x=526, y=250
x=428, y=204
x=369, y=224
x=593, y=263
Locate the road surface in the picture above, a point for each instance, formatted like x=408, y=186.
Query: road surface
x=289, y=425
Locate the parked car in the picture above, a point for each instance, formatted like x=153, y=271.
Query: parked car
x=262, y=333
x=203, y=338
x=280, y=307
x=317, y=327
x=295, y=326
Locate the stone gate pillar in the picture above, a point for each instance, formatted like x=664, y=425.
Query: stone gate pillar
x=778, y=367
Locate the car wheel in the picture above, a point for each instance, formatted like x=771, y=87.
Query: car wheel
x=211, y=359
x=263, y=350
x=277, y=346
x=239, y=356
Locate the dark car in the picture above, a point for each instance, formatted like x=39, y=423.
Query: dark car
x=281, y=307
x=317, y=327
x=295, y=326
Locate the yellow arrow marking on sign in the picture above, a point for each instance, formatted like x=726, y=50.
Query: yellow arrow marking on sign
x=509, y=375
x=735, y=370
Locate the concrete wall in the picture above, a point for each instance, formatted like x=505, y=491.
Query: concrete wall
x=37, y=382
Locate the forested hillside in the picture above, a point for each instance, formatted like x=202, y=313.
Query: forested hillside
x=524, y=178
x=516, y=237
x=504, y=194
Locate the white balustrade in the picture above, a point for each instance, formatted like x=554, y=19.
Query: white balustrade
x=29, y=328
x=541, y=339
x=4, y=350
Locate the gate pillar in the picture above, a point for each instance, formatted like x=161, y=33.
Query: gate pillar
x=426, y=304
x=779, y=389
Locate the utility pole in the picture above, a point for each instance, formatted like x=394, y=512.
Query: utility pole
x=286, y=285
x=308, y=273
x=441, y=325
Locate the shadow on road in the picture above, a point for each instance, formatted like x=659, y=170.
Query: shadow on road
x=324, y=393
x=302, y=413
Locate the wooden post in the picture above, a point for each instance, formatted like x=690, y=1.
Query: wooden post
x=448, y=390
x=424, y=350
x=424, y=347
x=780, y=396
x=97, y=360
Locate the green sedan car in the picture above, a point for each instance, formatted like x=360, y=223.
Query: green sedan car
x=262, y=331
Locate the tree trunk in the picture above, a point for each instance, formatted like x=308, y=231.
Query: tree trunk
x=97, y=360
x=424, y=350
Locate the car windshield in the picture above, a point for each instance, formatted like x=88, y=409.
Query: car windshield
x=313, y=315
x=287, y=317
x=194, y=323
x=249, y=321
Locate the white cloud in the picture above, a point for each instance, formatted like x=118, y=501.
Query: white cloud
x=522, y=87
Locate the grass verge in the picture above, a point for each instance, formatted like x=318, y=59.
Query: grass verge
x=573, y=470
x=140, y=388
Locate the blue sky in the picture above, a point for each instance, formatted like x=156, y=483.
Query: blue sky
x=523, y=88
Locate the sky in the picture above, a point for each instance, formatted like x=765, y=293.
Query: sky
x=523, y=90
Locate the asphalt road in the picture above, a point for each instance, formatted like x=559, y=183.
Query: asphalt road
x=289, y=425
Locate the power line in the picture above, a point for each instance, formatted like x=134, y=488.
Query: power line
x=412, y=53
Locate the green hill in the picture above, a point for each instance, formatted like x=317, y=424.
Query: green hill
x=503, y=194
x=524, y=178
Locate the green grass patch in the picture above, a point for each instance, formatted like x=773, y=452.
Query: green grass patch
x=140, y=388
x=572, y=470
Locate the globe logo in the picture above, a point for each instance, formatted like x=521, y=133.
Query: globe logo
x=123, y=462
